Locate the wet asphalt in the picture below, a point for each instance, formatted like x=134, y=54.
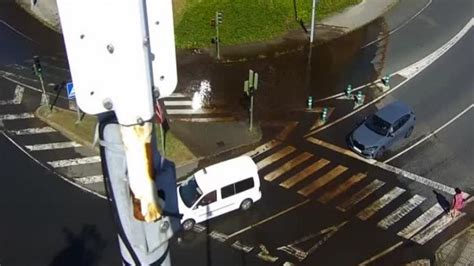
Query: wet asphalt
x=285, y=83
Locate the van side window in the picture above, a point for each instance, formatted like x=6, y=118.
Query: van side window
x=208, y=199
x=244, y=185
x=227, y=191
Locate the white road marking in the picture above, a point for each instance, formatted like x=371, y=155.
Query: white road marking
x=218, y=236
x=401, y=211
x=17, y=31
x=47, y=168
x=431, y=134
x=408, y=72
x=239, y=246
x=32, y=131
x=398, y=27
x=267, y=219
x=53, y=146
x=87, y=180
x=275, y=157
x=421, y=221
x=331, y=194
x=323, y=180
x=17, y=99
x=178, y=103
x=176, y=95
x=435, y=228
x=16, y=116
x=303, y=174
x=192, y=111
x=387, y=167
x=198, y=228
x=381, y=254
x=362, y=194
x=204, y=119
x=339, y=150
x=380, y=203
x=288, y=166
x=263, y=148
x=74, y=162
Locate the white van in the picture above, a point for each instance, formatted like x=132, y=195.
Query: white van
x=218, y=189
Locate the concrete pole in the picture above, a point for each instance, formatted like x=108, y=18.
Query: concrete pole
x=313, y=13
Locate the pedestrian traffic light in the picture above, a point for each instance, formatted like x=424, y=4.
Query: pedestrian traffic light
x=37, y=65
x=213, y=22
x=219, y=17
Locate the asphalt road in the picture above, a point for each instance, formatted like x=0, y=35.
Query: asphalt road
x=47, y=221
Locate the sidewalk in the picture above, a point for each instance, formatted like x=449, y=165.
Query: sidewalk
x=459, y=250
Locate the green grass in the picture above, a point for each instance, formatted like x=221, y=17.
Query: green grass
x=246, y=21
x=65, y=122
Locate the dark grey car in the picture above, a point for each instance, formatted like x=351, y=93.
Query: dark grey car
x=378, y=132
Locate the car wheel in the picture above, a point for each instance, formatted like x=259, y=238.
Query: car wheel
x=380, y=152
x=408, y=134
x=246, y=204
x=188, y=224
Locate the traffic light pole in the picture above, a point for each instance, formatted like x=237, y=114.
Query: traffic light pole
x=141, y=243
x=218, y=41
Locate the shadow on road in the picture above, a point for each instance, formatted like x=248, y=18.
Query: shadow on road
x=442, y=201
x=84, y=248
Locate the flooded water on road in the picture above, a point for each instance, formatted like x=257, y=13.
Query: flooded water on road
x=285, y=80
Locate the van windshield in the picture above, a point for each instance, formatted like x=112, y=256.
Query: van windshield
x=190, y=192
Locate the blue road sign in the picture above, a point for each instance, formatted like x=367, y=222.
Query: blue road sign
x=71, y=93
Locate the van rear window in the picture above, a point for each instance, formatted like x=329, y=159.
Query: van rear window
x=236, y=188
x=244, y=185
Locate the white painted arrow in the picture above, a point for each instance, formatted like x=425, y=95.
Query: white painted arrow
x=19, y=90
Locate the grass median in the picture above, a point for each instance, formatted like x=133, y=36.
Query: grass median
x=246, y=21
x=65, y=122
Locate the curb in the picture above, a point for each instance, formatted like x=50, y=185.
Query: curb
x=69, y=134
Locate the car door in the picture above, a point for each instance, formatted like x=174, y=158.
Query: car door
x=399, y=128
x=207, y=206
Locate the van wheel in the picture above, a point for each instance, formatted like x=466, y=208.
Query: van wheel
x=188, y=224
x=246, y=204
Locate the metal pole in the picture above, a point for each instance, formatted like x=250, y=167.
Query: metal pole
x=251, y=112
x=44, y=97
x=313, y=11
x=217, y=37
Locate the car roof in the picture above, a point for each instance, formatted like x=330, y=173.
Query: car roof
x=394, y=111
x=226, y=172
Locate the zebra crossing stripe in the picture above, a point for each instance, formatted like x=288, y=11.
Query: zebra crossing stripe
x=275, y=157
x=288, y=166
x=16, y=116
x=304, y=173
x=421, y=221
x=53, y=146
x=177, y=103
x=32, y=131
x=204, y=119
x=192, y=111
x=359, y=196
x=328, y=196
x=90, y=179
x=401, y=211
x=380, y=203
x=176, y=95
x=435, y=228
x=239, y=246
x=74, y=162
x=218, y=236
x=307, y=190
x=263, y=148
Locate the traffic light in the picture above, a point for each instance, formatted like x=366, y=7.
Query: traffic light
x=37, y=65
x=213, y=22
x=219, y=17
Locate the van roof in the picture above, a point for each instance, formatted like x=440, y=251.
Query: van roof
x=226, y=172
